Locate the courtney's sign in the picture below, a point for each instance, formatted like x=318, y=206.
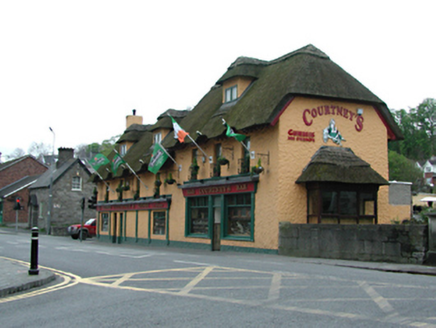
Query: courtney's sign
x=328, y=110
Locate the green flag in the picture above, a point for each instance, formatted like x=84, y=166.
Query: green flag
x=158, y=158
x=231, y=133
x=116, y=162
x=98, y=160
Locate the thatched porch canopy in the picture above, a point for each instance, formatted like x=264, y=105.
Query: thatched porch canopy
x=339, y=165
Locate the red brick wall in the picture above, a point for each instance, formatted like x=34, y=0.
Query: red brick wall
x=26, y=167
x=8, y=207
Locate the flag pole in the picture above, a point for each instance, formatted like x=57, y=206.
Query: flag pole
x=134, y=173
x=163, y=148
x=107, y=185
x=174, y=122
x=205, y=155
x=225, y=123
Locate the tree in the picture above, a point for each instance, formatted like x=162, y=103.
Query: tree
x=85, y=151
x=425, y=117
x=404, y=169
x=38, y=150
x=418, y=126
x=18, y=152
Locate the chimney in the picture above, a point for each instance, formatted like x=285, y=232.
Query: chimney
x=133, y=119
x=64, y=154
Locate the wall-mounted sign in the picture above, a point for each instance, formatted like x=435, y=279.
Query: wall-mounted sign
x=301, y=135
x=331, y=132
x=214, y=190
x=132, y=206
x=328, y=110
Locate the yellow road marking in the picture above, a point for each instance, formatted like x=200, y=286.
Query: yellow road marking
x=68, y=280
x=185, y=290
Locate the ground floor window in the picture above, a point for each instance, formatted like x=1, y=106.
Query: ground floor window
x=159, y=223
x=104, y=222
x=235, y=216
x=198, y=215
x=239, y=214
x=341, y=203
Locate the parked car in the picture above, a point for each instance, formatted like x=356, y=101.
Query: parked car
x=89, y=228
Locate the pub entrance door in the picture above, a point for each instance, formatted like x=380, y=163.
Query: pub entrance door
x=216, y=235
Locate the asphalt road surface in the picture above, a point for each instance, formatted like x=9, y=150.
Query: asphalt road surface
x=104, y=285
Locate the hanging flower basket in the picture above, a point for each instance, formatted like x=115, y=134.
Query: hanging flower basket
x=169, y=180
x=258, y=168
x=222, y=161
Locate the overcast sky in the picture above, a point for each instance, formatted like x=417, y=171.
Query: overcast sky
x=80, y=67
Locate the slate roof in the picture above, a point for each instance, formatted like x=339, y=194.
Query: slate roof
x=18, y=185
x=44, y=179
x=339, y=164
x=12, y=162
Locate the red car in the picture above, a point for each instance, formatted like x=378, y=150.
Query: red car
x=89, y=228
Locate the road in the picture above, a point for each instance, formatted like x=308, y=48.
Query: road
x=105, y=285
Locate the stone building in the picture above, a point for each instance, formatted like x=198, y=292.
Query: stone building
x=69, y=180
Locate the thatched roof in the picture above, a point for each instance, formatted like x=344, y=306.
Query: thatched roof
x=164, y=121
x=337, y=164
x=305, y=72
x=134, y=132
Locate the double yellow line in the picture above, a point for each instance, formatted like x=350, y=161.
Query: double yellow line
x=68, y=280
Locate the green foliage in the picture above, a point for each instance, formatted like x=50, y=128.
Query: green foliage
x=419, y=129
x=403, y=169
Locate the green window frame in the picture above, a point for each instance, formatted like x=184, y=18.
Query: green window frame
x=238, y=223
x=197, y=214
x=159, y=222
x=104, y=222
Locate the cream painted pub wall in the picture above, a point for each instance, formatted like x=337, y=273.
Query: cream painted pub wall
x=284, y=148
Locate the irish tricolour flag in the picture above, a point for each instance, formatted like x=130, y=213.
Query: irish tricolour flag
x=179, y=133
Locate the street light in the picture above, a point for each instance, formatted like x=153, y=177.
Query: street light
x=50, y=193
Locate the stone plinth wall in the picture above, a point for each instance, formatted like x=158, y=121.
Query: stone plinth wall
x=384, y=243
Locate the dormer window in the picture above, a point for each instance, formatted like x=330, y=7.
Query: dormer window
x=157, y=138
x=231, y=93
x=123, y=150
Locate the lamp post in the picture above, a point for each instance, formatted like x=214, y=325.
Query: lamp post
x=50, y=192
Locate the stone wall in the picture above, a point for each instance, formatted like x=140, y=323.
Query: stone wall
x=384, y=243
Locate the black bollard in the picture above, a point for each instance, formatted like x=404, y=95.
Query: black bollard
x=34, y=253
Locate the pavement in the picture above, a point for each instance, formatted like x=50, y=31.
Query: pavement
x=14, y=275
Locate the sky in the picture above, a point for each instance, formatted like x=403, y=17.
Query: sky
x=80, y=67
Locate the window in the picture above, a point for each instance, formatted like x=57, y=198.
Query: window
x=41, y=211
x=245, y=160
x=231, y=93
x=216, y=166
x=198, y=221
x=157, y=138
x=104, y=222
x=159, y=223
x=341, y=204
x=123, y=150
x=239, y=216
x=76, y=183
x=428, y=169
